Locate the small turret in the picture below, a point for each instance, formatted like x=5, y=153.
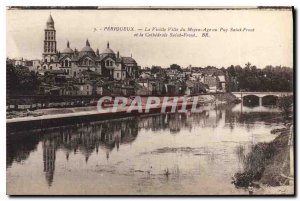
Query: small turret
x=76, y=52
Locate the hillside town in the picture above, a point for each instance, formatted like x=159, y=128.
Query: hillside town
x=146, y=81
x=87, y=72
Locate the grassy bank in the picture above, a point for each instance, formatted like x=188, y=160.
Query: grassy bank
x=267, y=164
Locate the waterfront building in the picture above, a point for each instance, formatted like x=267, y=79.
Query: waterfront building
x=211, y=82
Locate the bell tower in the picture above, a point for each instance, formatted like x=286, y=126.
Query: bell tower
x=49, y=40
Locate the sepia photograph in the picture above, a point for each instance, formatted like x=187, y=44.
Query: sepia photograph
x=150, y=101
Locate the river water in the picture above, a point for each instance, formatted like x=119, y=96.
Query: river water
x=153, y=154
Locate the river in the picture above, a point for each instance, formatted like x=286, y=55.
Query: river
x=180, y=153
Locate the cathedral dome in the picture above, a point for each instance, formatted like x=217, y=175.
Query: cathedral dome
x=67, y=50
x=87, y=47
x=108, y=51
x=87, y=50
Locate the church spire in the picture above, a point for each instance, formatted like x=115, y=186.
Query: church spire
x=49, y=38
x=107, y=44
x=87, y=42
x=68, y=44
x=50, y=22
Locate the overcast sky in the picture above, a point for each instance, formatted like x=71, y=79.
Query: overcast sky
x=270, y=44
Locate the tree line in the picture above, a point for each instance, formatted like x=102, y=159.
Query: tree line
x=251, y=78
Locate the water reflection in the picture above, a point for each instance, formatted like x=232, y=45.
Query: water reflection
x=87, y=138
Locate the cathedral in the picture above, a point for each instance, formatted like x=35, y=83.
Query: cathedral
x=73, y=62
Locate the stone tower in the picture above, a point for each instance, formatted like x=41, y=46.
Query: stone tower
x=49, y=41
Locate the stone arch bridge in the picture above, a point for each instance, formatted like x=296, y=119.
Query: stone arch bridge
x=260, y=95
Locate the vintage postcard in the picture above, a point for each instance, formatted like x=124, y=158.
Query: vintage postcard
x=150, y=101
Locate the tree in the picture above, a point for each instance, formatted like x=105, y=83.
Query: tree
x=175, y=67
x=20, y=79
x=285, y=104
x=155, y=69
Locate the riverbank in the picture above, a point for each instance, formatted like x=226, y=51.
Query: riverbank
x=267, y=166
x=51, y=117
x=59, y=109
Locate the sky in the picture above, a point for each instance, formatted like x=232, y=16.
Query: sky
x=271, y=43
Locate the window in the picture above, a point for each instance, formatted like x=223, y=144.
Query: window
x=90, y=62
x=51, y=60
x=69, y=63
x=50, y=67
x=87, y=87
x=44, y=67
x=107, y=63
x=66, y=63
x=117, y=75
x=111, y=63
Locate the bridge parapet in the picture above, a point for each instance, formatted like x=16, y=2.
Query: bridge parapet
x=261, y=94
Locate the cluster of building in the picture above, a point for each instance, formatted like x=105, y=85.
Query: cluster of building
x=89, y=72
x=187, y=81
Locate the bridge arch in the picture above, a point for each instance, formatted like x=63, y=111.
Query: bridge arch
x=270, y=99
x=251, y=100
